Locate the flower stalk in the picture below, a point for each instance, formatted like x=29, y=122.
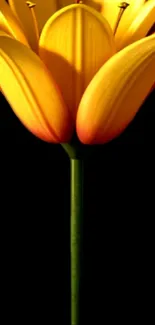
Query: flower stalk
x=76, y=237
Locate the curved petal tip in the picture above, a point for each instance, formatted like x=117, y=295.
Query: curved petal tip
x=116, y=93
x=75, y=42
x=32, y=93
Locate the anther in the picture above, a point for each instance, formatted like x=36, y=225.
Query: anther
x=122, y=6
x=30, y=4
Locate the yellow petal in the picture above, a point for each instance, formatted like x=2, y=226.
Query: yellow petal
x=32, y=93
x=128, y=16
x=2, y=33
x=109, y=9
x=10, y=24
x=43, y=10
x=140, y=26
x=110, y=12
x=117, y=91
x=74, y=44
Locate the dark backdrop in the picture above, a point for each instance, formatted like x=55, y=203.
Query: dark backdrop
x=118, y=225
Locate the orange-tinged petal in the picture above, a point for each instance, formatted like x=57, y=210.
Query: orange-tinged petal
x=140, y=26
x=10, y=24
x=74, y=44
x=32, y=93
x=127, y=18
x=116, y=93
x=2, y=33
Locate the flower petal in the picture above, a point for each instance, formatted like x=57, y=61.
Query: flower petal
x=10, y=24
x=43, y=11
x=74, y=44
x=117, y=91
x=2, y=33
x=109, y=9
x=127, y=18
x=32, y=93
x=140, y=26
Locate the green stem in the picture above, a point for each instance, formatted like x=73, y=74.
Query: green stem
x=76, y=237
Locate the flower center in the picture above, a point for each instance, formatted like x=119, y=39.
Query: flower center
x=31, y=6
x=122, y=6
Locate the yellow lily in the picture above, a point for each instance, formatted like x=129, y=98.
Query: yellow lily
x=88, y=66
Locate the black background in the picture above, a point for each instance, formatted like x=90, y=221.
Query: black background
x=118, y=225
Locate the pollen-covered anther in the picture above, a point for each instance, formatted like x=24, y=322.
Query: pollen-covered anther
x=30, y=4
x=123, y=5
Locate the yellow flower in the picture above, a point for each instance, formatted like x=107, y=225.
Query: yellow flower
x=87, y=66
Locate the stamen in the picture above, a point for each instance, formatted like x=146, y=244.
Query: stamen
x=31, y=6
x=79, y=1
x=122, y=6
